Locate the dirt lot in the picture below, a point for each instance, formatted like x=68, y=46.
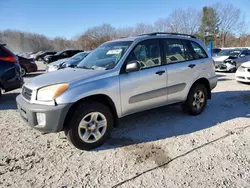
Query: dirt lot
x=158, y=148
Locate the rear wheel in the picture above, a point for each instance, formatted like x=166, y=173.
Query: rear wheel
x=196, y=100
x=23, y=71
x=90, y=126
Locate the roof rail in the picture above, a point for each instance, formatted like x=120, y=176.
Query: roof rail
x=166, y=33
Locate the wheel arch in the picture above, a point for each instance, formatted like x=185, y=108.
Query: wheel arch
x=101, y=98
x=205, y=82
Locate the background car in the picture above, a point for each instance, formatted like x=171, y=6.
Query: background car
x=243, y=73
x=41, y=56
x=61, y=55
x=230, y=59
x=33, y=56
x=69, y=62
x=215, y=51
x=10, y=75
x=27, y=65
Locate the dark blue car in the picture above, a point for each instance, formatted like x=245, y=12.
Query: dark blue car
x=10, y=75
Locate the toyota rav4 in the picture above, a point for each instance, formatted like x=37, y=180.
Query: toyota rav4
x=119, y=78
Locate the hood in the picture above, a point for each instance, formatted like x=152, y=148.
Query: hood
x=62, y=76
x=246, y=64
x=220, y=58
x=58, y=62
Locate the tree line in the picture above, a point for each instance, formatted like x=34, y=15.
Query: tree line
x=224, y=24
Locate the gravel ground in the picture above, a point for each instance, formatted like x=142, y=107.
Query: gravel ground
x=158, y=148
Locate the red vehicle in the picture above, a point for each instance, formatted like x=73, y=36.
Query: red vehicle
x=27, y=65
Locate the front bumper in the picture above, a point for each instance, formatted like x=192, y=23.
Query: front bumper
x=54, y=115
x=242, y=76
x=224, y=67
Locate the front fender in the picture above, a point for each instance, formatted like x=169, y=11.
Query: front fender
x=106, y=86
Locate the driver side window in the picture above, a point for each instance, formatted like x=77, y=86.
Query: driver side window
x=147, y=53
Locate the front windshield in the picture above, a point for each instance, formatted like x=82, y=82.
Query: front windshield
x=58, y=53
x=79, y=56
x=105, y=56
x=233, y=53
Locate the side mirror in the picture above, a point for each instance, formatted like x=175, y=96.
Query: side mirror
x=133, y=66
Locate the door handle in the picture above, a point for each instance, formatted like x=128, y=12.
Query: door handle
x=191, y=66
x=160, y=72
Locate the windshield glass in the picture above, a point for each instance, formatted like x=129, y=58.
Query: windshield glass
x=233, y=53
x=79, y=56
x=105, y=56
x=58, y=53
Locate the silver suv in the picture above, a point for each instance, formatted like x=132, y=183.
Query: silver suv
x=119, y=78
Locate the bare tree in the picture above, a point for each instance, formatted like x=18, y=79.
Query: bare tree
x=231, y=18
x=161, y=25
x=124, y=32
x=142, y=28
x=184, y=21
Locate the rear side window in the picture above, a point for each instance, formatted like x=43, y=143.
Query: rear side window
x=174, y=50
x=4, y=52
x=199, y=52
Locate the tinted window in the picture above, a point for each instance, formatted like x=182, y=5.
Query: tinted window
x=216, y=50
x=199, y=52
x=233, y=53
x=174, y=50
x=147, y=53
x=21, y=58
x=244, y=52
x=3, y=52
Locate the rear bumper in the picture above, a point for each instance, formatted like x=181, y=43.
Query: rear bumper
x=213, y=82
x=54, y=115
x=14, y=84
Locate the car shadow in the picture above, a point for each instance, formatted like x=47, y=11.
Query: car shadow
x=8, y=101
x=220, y=75
x=170, y=121
x=225, y=79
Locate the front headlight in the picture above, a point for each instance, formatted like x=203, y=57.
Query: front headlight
x=52, y=68
x=49, y=93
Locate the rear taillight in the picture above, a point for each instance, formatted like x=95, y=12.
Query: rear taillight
x=9, y=59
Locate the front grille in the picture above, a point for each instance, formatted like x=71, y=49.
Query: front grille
x=27, y=93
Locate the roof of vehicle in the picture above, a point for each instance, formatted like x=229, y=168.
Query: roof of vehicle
x=157, y=35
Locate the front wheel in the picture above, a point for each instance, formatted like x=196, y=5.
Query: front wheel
x=196, y=100
x=90, y=126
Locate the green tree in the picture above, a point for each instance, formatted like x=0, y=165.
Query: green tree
x=209, y=28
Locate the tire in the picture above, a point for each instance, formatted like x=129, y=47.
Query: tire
x=190, y=106
x=232, y=70
x=23, y=71
x=85, y=115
